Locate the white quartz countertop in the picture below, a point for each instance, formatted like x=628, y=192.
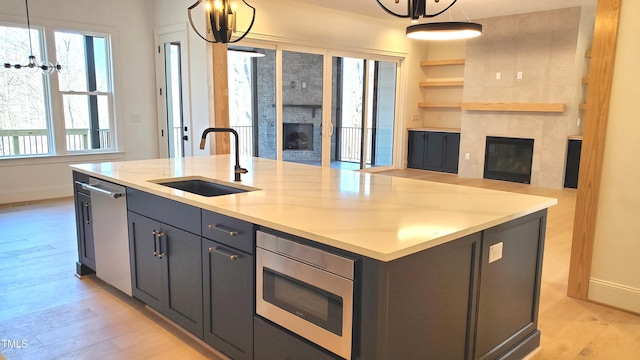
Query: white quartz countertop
x=377, y=216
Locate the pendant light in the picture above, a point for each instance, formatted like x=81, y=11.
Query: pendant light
x=221, y=20
x=47, y=67
x=415, y=9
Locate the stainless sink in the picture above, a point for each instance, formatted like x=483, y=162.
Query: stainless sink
x=202, y=187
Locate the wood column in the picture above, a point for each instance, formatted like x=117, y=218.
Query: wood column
x=221, y=96
x=595, y=126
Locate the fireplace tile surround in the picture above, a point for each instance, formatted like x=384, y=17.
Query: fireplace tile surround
x=548, y=48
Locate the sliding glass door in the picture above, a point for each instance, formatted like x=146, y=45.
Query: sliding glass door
x=364, y=98
x=307, y=107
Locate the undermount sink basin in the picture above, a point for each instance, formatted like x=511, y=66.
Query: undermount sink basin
x=202, y=187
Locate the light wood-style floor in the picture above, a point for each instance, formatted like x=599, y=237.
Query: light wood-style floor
x=61, y=316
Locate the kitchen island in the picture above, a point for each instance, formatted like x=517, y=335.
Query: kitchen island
x=441, y=271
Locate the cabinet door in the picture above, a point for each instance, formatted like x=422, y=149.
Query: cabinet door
x=451, y=152
x=416, y=149
x=146, y=264
x=228, y=299
x=182, y=264
x=85, y=231
x=435, y=151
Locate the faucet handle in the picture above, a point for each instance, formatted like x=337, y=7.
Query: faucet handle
x=240, y=170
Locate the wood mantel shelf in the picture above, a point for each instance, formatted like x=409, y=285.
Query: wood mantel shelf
x=518, y=107
x=442, y=62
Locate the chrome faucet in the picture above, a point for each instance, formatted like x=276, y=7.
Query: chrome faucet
x=237, y=169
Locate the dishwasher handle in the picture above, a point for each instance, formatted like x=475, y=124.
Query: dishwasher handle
x=98, y=190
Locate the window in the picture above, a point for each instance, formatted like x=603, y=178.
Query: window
x=84, y=93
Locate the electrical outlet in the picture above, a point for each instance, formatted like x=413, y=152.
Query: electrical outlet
x=498, y=76
x=467, y=156
x=495, y=252
x=519, y=75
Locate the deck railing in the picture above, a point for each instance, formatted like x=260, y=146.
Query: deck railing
x=36, y=141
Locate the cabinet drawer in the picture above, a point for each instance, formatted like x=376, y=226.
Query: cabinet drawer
x=272, y=343
x=229, y=231
x=170, y=212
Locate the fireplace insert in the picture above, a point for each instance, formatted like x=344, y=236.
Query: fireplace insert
x=508, y=159
x=297, y=136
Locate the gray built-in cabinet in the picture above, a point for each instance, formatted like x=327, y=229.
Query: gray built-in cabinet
x=433, y=150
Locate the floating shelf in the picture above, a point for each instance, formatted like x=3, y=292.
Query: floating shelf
x=442, y=62
x=442, y=83
x=441, y=104
x=518, y=107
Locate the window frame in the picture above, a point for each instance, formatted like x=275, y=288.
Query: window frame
x=54, y=97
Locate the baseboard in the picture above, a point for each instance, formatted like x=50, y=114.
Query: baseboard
x=33, y=194
x=615, y=295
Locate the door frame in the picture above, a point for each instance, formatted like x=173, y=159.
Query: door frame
x=173, y=33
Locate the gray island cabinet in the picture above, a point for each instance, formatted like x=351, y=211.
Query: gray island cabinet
x=439, y=271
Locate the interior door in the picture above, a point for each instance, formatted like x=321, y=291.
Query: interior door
x=174, y=130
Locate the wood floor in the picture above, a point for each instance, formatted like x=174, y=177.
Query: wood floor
x=48, y=313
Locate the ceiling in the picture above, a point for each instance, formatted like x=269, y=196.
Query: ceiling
x=474, y=9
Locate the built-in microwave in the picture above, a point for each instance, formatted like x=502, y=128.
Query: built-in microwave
x=306, y=290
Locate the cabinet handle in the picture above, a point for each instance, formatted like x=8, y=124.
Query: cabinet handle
x=226, y=231
x=88, y=210
x=214, y=249
x=160, y=234
x=155, y=245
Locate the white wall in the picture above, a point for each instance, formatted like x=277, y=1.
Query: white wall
x=615, y=275
x=29, y=179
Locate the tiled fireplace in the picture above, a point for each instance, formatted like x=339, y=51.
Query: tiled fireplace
x=528, y=58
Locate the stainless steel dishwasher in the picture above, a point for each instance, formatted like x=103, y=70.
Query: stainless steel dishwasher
x=111, y=238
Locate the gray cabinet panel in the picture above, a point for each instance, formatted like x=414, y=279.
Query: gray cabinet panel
x=510, y=287
x=183, y=282
x=146, y=271
x=421, y=306
x=228, y=282
x=84, y=226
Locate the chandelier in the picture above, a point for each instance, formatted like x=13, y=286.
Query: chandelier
x=47, y=67
x=221, y=20
x=415, y=9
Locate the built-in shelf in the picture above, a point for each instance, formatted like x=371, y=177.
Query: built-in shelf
x=442, y=62
x=575, y=137
x=519, y=107
x=440, y=104
x=442, y=83
x=438, y=129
